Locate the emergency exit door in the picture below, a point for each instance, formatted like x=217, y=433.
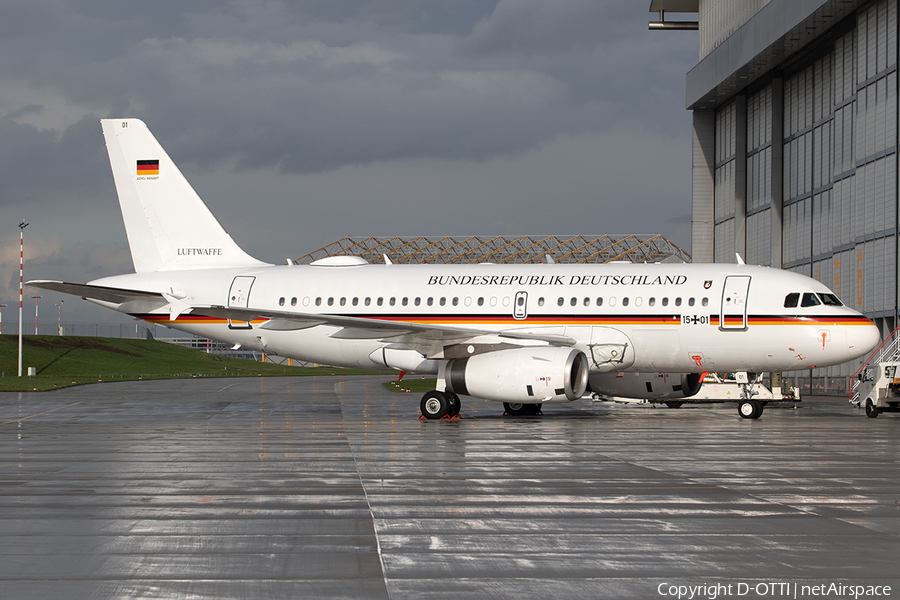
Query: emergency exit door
x=520, y=306
x=733, y=313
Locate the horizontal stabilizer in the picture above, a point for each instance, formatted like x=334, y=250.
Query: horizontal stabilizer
x=96, y=292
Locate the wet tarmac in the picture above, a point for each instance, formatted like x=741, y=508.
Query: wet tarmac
x=331, y=488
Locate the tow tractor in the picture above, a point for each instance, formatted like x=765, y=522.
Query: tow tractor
x=747, y=389
x=879, y=388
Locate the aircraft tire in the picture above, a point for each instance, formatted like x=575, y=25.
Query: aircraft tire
x=517, y=409
x=749, y=409
x=434, y=405
x=455, y=404
x=674, y=404
x=872, y=411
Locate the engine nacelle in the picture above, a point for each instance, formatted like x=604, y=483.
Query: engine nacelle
x=525, y=375
x=647, y=385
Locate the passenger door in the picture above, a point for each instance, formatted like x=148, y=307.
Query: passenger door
x=733, y=314
x=239, y=297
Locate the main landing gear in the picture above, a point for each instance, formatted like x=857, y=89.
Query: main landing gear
x=517, y=409
x=440, y=405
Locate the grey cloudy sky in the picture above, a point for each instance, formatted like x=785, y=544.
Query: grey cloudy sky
x=302, y=122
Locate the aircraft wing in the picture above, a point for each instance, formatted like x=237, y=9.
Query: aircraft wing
x=371, y=328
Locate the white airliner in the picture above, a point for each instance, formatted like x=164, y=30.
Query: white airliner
x=520, y=334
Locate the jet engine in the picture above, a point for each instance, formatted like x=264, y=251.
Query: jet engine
x=647, y=385
x=522, y=375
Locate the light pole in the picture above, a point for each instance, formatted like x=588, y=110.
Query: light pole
x=59, y=317
x=22, y=227
x=2, y=306
x=36, y=298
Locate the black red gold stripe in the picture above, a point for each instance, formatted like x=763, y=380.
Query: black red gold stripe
x=148, y=167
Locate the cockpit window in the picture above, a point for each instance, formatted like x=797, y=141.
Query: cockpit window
x=790, y=301
x=830, y=300
x=809, y=299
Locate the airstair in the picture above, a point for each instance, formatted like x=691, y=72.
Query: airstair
x=888, y=351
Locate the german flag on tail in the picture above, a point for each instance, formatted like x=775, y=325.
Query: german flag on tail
x=148, y=167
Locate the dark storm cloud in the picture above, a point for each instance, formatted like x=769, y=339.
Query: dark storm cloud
x=313, y=86
x=41, y=165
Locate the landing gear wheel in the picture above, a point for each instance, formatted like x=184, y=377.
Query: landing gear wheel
x=435, y=405
x=750, y=409
x=872, y=411
x=518, y=409
x=674, y=404
x=455, y=404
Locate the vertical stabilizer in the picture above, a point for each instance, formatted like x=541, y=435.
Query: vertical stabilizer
x=168, y=225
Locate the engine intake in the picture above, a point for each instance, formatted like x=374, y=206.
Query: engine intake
x=527, y=375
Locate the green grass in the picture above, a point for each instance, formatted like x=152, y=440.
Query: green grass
x=413, y=383
x=66, y=361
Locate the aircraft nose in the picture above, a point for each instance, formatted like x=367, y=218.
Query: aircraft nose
x=862, y=339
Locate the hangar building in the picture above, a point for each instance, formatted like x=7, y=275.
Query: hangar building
x=795, y=143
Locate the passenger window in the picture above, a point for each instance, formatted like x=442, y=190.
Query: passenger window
x=455, y=302
x=443, y=301
x=665, y=301
x=560, y=301
x=480, y=301
x=651, y=302
x=281, y=301
x=330, y=301
x=809, y=299
x=573, y=301
x=625, y=301
x=677, y=301
x=417, y=301
x=493, y=300
x=430, y=301
x=690, y=301
x=356, y=302
x=293, y=302
x=319, y=301
x=343, y=302
x=638, y=301
x=368, y=301
x=380, y=301
x=790, y=301
x=405, y=301
x=392, y=301
x=587, y=301
x=306, y=301
x=705, y=302
x=540, y=301
x=599, y=301
x=612, y=301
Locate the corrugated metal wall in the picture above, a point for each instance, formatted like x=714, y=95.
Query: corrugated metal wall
x=838, y=170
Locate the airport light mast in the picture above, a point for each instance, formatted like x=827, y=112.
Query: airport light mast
x=36, y=298
x=59, y=317
x=2, y=306
x=22, y=227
